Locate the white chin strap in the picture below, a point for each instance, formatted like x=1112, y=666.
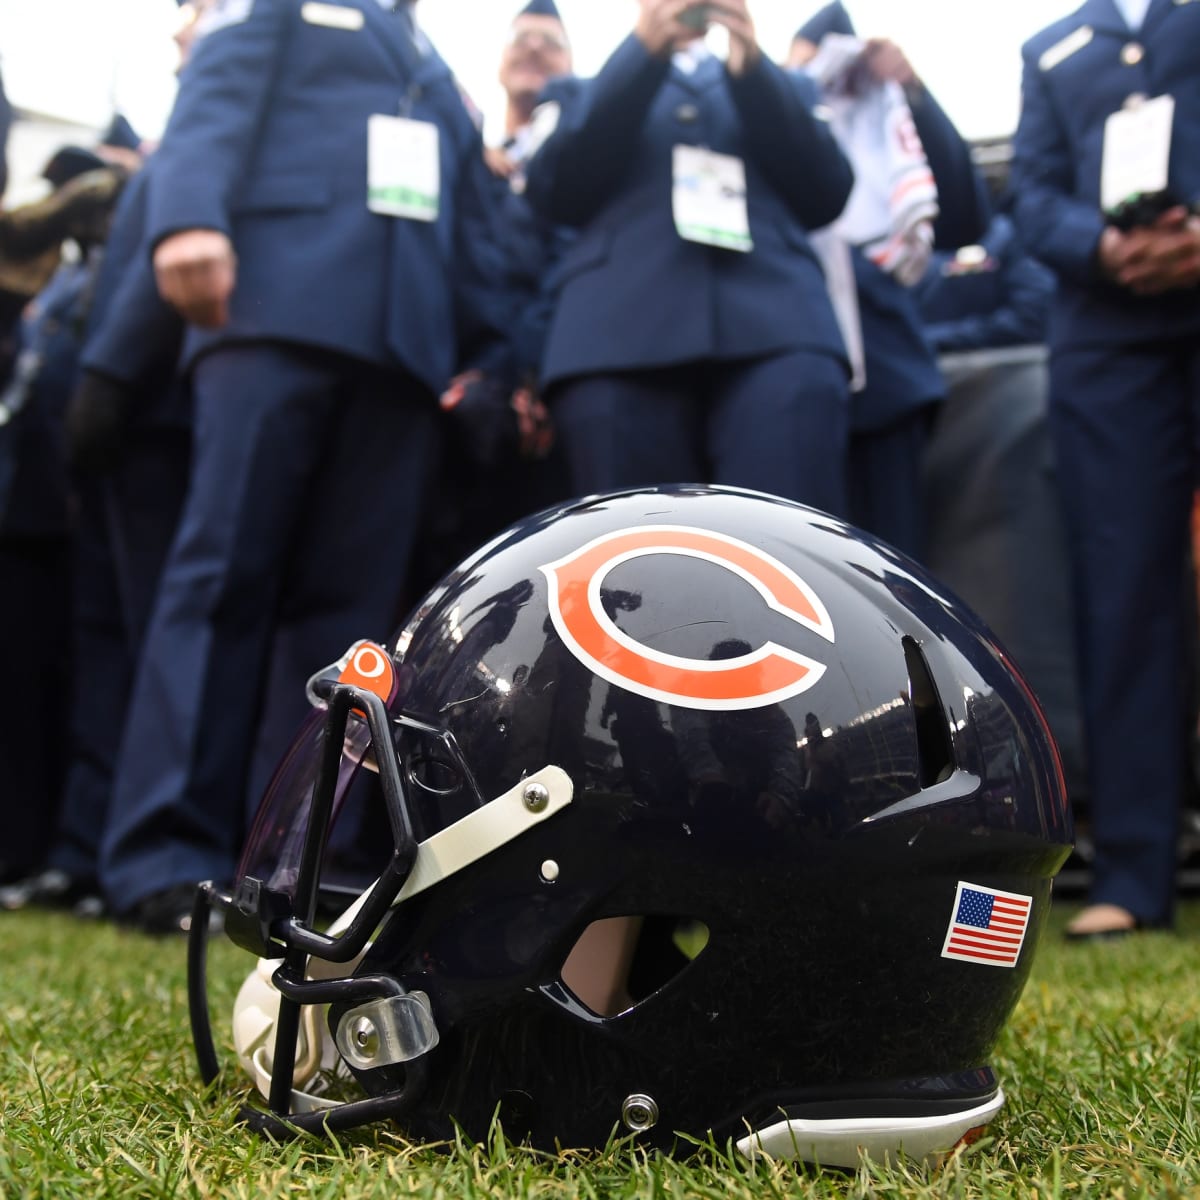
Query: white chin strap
x=536, y=799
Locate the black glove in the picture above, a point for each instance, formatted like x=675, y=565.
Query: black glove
x=97, y=417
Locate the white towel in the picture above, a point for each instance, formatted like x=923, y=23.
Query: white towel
x=893, y=205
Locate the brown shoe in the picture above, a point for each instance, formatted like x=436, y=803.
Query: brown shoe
x=1102, y=922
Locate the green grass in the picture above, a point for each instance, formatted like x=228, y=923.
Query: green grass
x=99, y=1095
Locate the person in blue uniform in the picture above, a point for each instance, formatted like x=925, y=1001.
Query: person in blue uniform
x=1125, y=399
x=536, y=51
x=127, y=444
x=693, y=339
x=891, y=414
x=36, y=506
x=35, y=571
x=499, y=461
x=317, y=215
x=127, y=440
x=6, y=120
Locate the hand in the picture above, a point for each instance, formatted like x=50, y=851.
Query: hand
x=196, y=272
x=457, y=388
x=1158, y=258
x=498, y=162
x=535, y=431
x=129, y=161
x=97, y=415
x=659, y=27
x=887, y=63
x=744, y=51
x=484, y=422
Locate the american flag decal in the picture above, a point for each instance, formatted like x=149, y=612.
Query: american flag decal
x=987, y=926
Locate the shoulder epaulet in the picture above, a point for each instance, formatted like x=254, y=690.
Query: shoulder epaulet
x=1065, y=47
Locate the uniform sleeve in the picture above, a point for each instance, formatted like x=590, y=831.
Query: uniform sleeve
x=1057, y=228
x=218, y=111
x=963, y=208
x=132, y=334
x=579, y=166
x=790, y=144
x=1020, y=321
x=483, y=308
x=533, y=323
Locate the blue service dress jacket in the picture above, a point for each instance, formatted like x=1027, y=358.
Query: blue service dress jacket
x=268, y=144
x=133, y=336
x=634, y=294
x=1077, y=72
x=531, y=250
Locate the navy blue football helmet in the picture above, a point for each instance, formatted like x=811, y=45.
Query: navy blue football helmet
x=695, y=811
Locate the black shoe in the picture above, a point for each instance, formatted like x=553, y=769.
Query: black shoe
x=51, y=888
x=169, y=912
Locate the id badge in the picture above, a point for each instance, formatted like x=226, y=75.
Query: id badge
x=1137, y=150
x=403, y=168
x=708, y=199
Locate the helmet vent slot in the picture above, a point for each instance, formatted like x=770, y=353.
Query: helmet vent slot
x=619, y=962
x=935, y=750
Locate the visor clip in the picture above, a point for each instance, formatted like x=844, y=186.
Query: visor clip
x=247, y=897
x=255, y=909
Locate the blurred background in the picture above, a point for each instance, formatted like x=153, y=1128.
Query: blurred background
x=69, y=65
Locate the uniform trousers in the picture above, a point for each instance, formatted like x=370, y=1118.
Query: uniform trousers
x=1126, y=426
x=775, y=424
x=35, y=587
x=885, y=480
x=126, y=521
x=308, y=473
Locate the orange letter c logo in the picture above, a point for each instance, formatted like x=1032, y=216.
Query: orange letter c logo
x=764, y=676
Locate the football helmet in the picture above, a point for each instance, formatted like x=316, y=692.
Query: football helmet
x=706, y=813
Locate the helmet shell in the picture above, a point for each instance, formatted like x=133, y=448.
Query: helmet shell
x=816, y=828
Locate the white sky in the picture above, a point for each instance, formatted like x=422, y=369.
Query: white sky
x=79, y=59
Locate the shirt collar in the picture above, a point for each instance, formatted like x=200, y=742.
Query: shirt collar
x=691, y=56
x=1134, y=12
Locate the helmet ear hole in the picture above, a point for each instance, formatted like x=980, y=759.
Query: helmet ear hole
x=935, y=751
x=619, y=962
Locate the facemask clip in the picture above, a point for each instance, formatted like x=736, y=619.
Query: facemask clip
x=387, y=1032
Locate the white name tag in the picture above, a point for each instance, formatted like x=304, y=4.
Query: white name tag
x=1137, y=151
x=1064, y=49
x=333, y=16
x=708, y=199
x=403, y=168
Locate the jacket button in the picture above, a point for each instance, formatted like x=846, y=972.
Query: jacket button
x=1132, y=53
x=687, y=113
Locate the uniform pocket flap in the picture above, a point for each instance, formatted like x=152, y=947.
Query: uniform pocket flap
x=285, y=193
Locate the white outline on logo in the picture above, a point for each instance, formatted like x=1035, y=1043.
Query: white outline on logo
x=823, y=626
